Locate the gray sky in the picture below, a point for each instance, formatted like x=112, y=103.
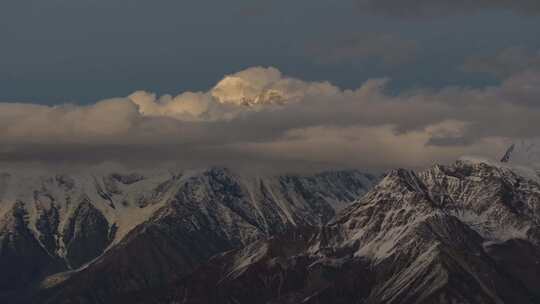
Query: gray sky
x=461, y=77
x=80, y=51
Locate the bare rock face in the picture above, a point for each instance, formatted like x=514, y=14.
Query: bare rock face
x=86, y=235
x=22, y=258
x=465, y=233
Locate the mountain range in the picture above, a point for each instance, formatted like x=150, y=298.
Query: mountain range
x=111, y=234
x=463, y=233
x=467, y=232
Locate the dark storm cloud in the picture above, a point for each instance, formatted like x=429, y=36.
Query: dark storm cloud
x=429, y=8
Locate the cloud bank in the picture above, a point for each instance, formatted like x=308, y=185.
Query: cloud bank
x=261, y=117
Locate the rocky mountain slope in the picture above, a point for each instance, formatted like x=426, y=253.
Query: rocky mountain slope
x=464, y=233
x=108, y=234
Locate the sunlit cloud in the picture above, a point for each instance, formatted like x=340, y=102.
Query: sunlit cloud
x=261, y=116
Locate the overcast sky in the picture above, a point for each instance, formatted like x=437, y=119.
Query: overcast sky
x=371, y=84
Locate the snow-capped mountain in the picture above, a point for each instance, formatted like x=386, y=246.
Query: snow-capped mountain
x=149, y=226
x=464, y=233
x=523, y=152
x=255, y=87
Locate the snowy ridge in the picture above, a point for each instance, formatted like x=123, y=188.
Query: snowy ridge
x=464, y=233
x=523, y=153
x=72, y=224
x=496, y=201
x=64, y=194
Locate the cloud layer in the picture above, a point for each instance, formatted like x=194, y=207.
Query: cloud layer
x=504, y=63
x=259, y=116
x=363, y=47
x=444, y=7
